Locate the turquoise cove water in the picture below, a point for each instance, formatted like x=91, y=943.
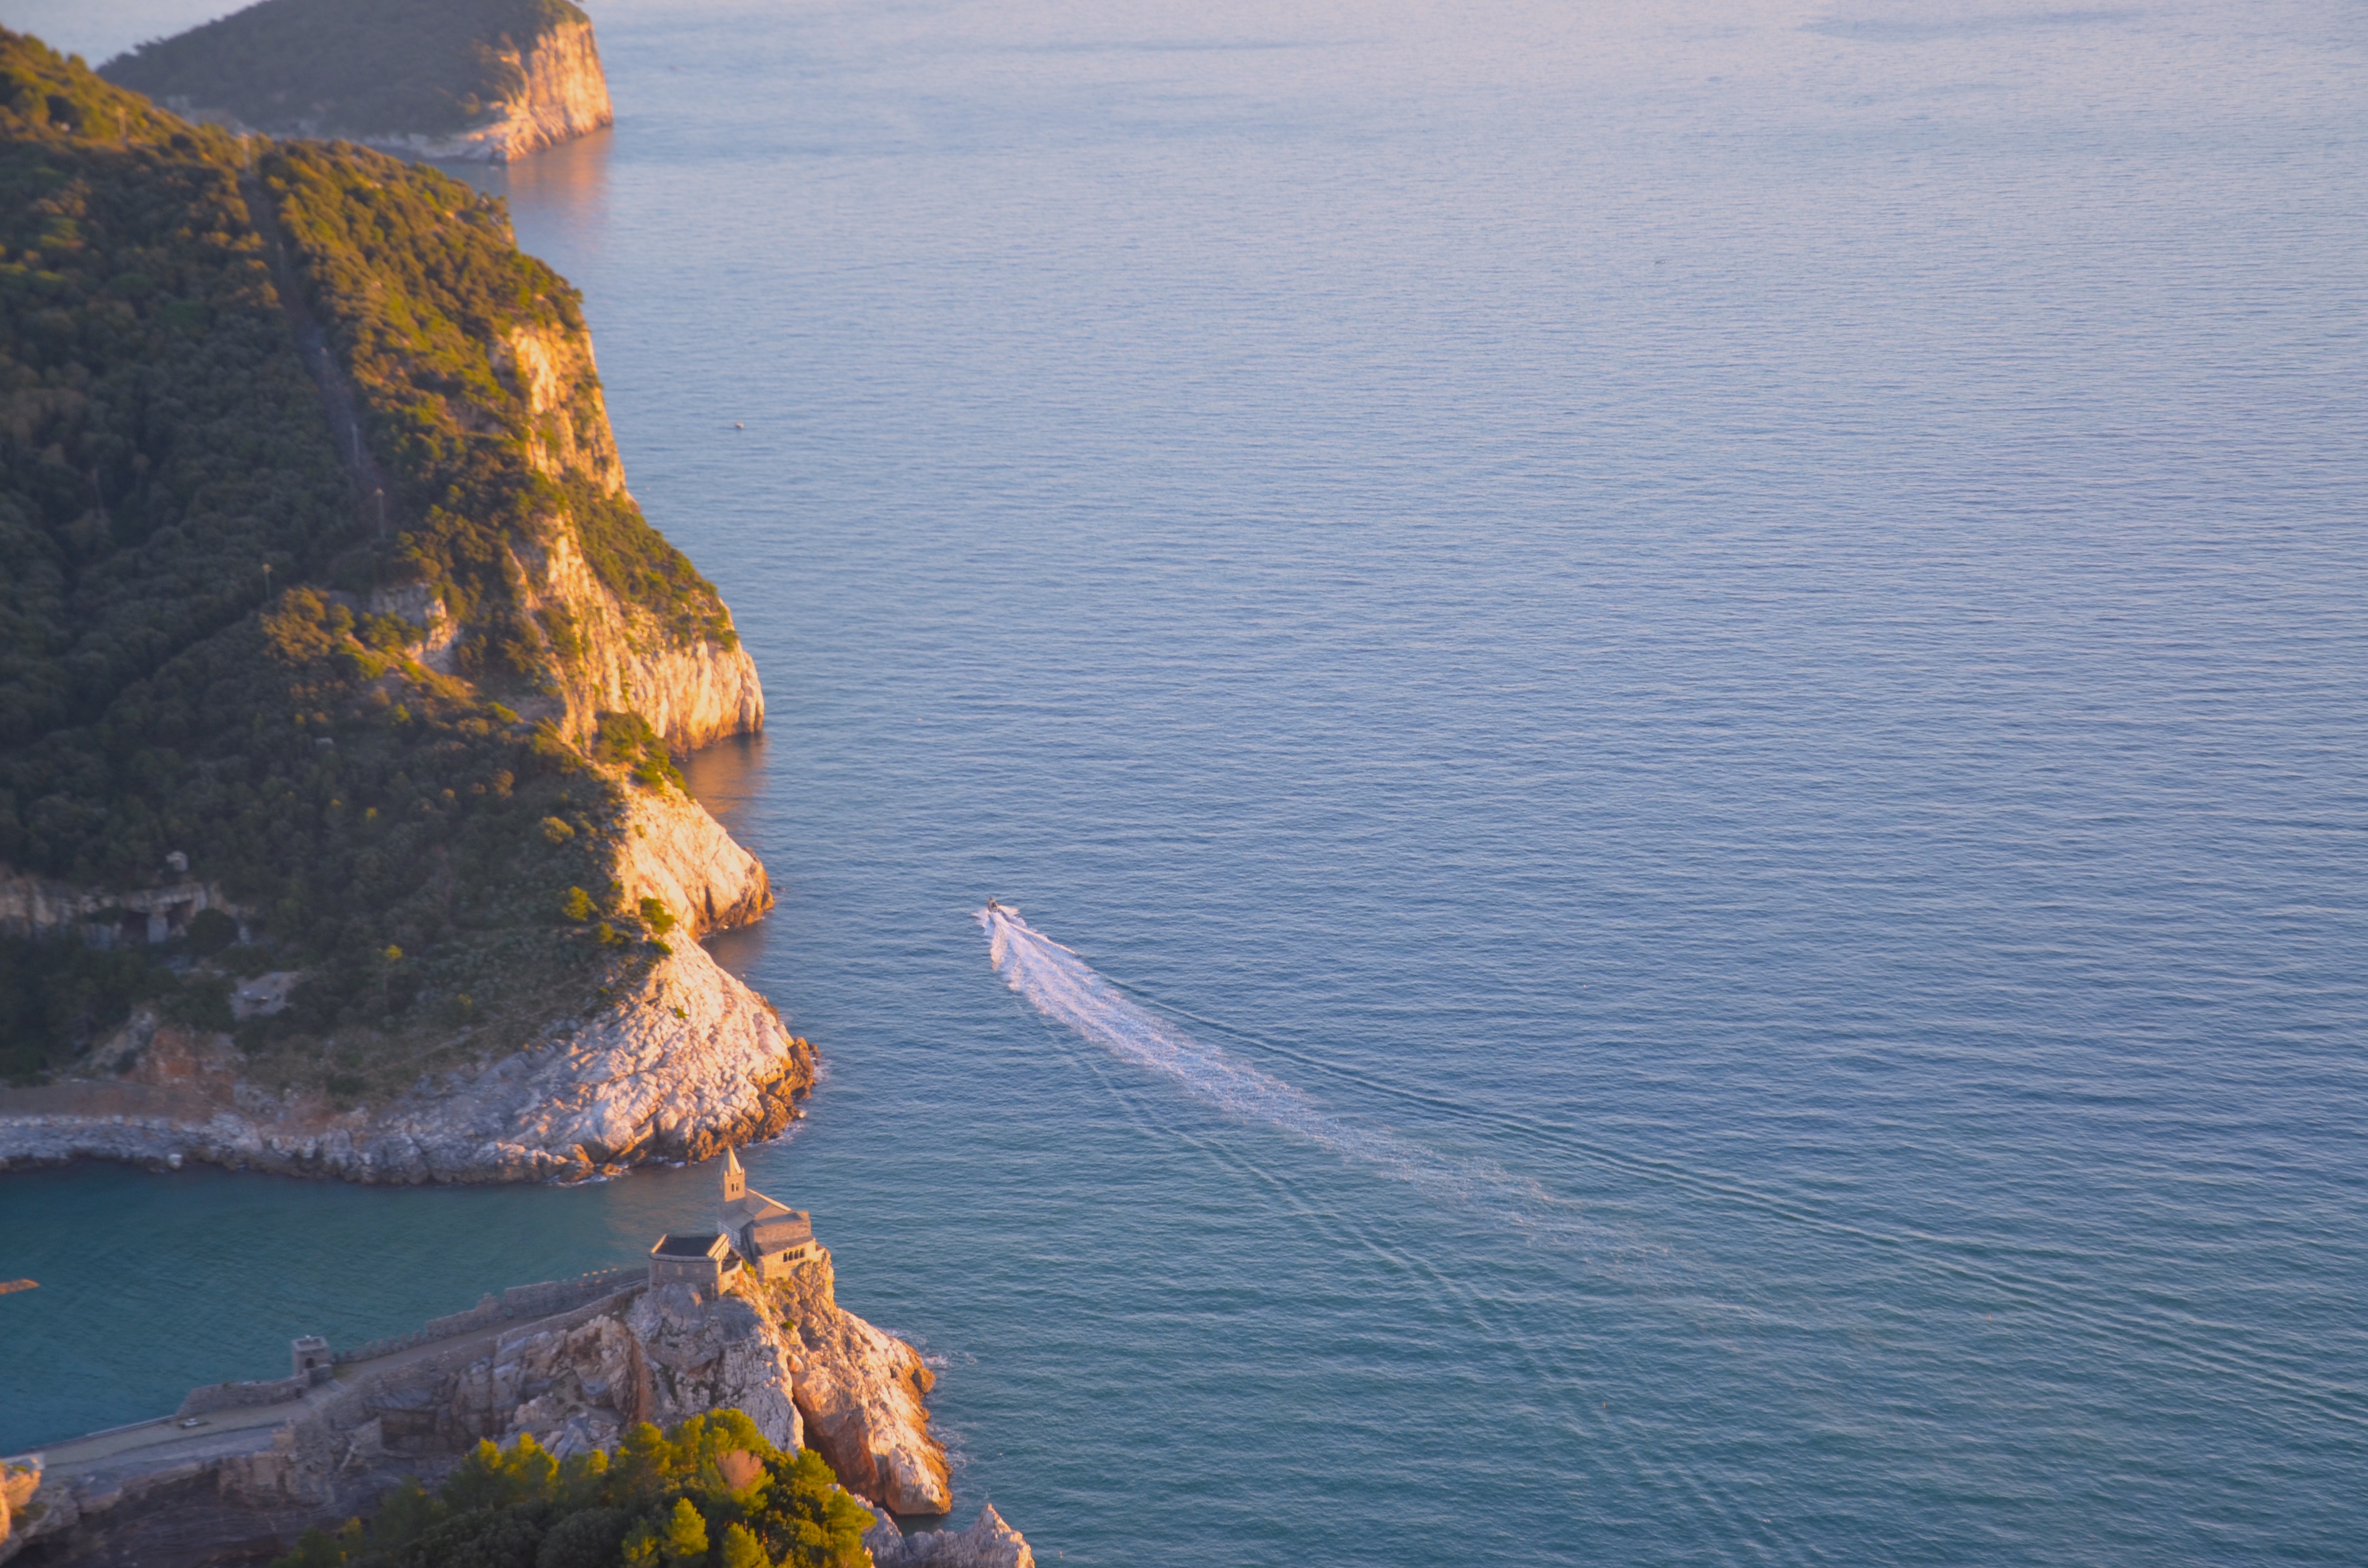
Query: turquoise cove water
x=1675, y=701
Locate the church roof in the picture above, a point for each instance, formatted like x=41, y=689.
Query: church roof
x=785, y=1229
x=755, y=1206
x=695, y=1244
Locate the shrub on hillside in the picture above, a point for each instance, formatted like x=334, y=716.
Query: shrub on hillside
x=710, y=1492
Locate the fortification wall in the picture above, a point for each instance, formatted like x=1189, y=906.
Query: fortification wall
x=519, y=1303
x=240, y=1396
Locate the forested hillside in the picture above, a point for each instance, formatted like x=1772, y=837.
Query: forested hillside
x=200, y=649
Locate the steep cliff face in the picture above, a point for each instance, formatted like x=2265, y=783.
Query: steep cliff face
x=614, y=625
x=609, y=655
x=562, y=94
x=691, y=689
x=601, y=651
x=860, y=1390
x=671, y=849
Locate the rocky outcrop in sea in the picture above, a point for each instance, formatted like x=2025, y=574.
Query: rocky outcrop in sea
x=859, y=1391
x=988, y=1543
x=245, y=1468
x=687, y=1062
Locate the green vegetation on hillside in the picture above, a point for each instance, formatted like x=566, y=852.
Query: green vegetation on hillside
x=160, y=442
x=349, y=67
x=188, y=662
x=711, y=1493
x=422, y=288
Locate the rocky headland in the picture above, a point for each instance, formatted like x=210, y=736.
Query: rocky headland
x=386, y=872
x=473, y=80
x=689, y=1060
x=241, y=1469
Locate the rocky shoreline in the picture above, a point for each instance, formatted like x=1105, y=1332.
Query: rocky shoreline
x=683, y=1061
x=689, y=1061
x=240, y=1469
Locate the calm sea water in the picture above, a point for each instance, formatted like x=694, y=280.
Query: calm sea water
x=1689, y=684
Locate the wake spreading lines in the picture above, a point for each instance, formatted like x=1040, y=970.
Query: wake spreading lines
x=1065, y=989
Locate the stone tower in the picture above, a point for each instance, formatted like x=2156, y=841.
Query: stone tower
x=735, y=1180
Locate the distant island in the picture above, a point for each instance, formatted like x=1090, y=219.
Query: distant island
x=485, y=80
x=341, y=684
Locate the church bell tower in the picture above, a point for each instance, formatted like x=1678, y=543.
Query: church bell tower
x=735, y=1180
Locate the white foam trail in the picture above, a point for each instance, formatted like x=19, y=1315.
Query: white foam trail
x=1064, y=988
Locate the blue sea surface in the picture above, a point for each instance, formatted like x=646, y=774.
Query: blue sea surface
x=1676, y=697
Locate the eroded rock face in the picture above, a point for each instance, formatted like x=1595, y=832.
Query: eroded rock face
x=693, y=1060
x=32, y=906
x=673, y=1354
x=860, y=1390
x=988, y=1543
x=713, y=1354
x=223, y=1492
x=671, y=849
x=692, y=689
x=562, y=94
x=688, y=1062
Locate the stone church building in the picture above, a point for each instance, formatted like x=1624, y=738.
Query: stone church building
x=771, y=1236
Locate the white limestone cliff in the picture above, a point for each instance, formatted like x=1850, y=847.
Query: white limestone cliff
x=686, y=1062
x=606, y=654
x=561, y=93
x=668, y=847
x=691, y=689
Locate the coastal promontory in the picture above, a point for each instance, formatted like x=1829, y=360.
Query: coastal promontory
x=488, y=80
x=342, y=683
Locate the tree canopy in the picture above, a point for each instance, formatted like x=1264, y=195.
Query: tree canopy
x=710, y=1492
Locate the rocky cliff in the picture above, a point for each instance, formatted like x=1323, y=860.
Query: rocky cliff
x=672, y=1353
x=988, y=1543
x=240, y=1483
x=860, y=1390
x=414, y=778
x=686, y=1062
x=241, y=1469
x=609, y=652
x=670, y=848
x=485, y=80
x=561, y=93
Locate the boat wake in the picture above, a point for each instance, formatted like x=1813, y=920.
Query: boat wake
x=1065, y=989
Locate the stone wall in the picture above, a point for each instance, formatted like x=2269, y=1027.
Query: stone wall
x=519, y=1303
x=241, y=1396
